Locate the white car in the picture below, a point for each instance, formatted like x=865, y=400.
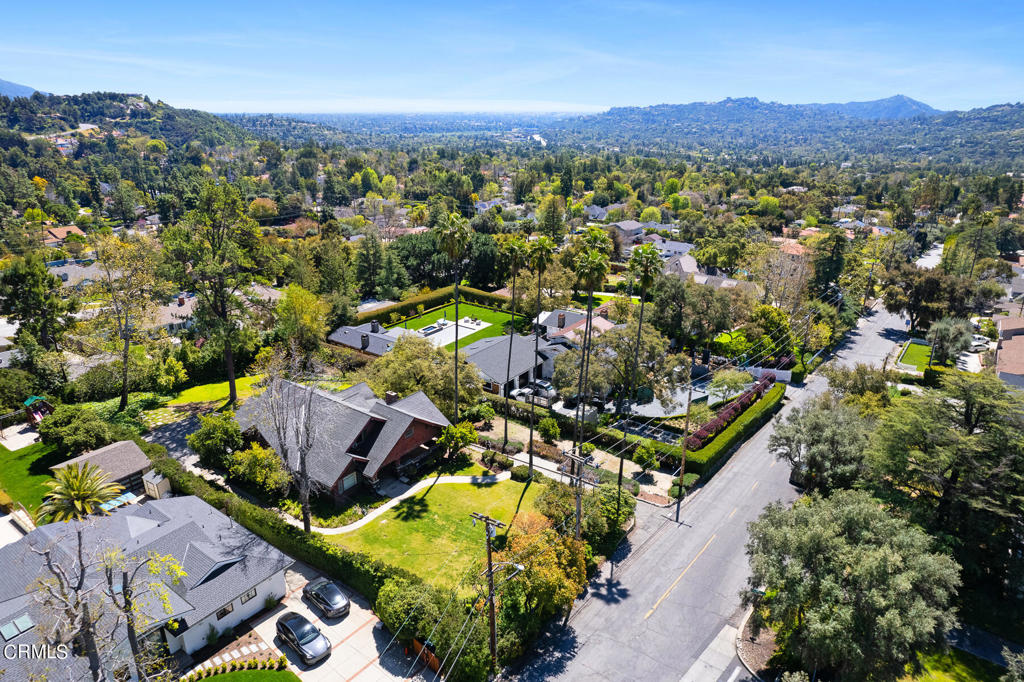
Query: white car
x=521, y=394
x=979, y=338
x=543, y=388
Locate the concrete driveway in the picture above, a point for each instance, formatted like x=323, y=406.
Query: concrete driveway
x=360, y=642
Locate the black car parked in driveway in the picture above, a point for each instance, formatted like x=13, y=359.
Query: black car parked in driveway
x=305, y=638
x=327, y=597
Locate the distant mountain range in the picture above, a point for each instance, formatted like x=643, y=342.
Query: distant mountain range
x=897, y=106
x=9, y=89
x=895, y=128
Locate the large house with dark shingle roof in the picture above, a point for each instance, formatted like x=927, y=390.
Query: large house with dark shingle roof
x=491, y=357
x=229, y=575
x=358, y=435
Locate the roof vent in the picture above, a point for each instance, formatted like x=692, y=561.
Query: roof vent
x=390, y=397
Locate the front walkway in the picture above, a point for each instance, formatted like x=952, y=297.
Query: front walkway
x=425, y=483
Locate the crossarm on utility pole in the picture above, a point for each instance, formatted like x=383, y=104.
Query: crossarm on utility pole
x=490, y=526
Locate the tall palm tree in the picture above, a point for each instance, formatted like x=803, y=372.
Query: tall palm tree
x=645, y=264
x=591, y=269
x=515, y=251
x=542, y=254
x=453, y=233
x=77, y=492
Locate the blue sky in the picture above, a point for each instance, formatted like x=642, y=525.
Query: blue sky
x=317, y=56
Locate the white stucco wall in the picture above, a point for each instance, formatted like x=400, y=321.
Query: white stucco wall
x=194, y=638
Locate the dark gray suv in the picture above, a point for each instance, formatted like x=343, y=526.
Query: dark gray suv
x=305, y=638
x=327, y=597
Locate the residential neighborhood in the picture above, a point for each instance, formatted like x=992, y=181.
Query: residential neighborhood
x=509, y=381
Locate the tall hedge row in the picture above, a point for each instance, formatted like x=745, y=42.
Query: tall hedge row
x=704, y=460
x=433, y=299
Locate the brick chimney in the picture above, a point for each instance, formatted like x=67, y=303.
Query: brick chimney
x=375, y=326
x=181, y=299
x=364, y=341
x=390, y=397
x=561, y=320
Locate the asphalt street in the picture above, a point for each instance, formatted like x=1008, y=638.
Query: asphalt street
x=667, y=608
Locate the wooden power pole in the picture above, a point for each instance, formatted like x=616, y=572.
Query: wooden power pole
x=490, y=526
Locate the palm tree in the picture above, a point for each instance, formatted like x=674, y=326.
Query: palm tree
x=542, y=254
x=77, y=492
x=645, y=264
x=591, y=268
x=453, y=233
x=515, y=251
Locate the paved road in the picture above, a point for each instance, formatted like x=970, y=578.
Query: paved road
x=668, y=609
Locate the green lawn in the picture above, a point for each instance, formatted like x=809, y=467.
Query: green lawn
x=496, y=318
x=216, y=392
x=956, y=666
x=259, y=676
x=24, y=473
x=422, y=531
x=917, y=354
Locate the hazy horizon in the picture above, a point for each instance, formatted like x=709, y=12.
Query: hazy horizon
x=522, y=57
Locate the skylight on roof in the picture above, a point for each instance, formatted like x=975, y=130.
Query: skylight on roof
x=16, y=627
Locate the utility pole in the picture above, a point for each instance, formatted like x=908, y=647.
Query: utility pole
x=577, y=473
x=686, y=434
x=490, y=526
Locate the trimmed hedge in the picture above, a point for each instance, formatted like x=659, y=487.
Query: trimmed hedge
x=496, y=444
x=703, y=461
x=362, y=572
x=431, y=300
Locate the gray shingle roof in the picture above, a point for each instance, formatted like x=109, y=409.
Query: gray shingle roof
x=170, y=526
x=490, y=355
x=340, y=417
x=378, y=343
x=571, y=317
x=118, y=460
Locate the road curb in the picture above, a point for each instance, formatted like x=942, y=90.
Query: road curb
x=739, y=636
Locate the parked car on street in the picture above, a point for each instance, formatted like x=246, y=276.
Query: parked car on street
x=303, y=637
x=327, y=597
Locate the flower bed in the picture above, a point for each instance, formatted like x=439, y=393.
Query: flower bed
x=728, y=414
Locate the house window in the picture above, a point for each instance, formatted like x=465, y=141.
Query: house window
x=349, y=481
x=408, y=433
x=249, y=595
x=225, y=611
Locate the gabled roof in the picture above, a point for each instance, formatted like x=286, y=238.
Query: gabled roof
x=340, y=417
x=490, y=355
x=117, y=460
x=174, y=526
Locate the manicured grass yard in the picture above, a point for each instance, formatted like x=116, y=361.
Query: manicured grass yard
x=956, y=666
x=497, y=320
x=422, y=531
x=259, y=676
x=916, y=354
x=24, y=473
x=217, y=392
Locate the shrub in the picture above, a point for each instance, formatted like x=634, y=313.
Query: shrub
x=74, y=429
x=702, y=459
x=217, y=433
x=549, y=430
x=430, y=300
x=259, y=467
x=521, y=473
